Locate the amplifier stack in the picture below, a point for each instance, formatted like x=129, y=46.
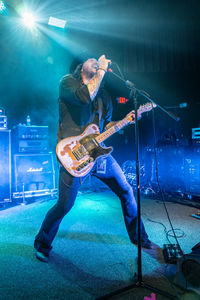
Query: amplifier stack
x=34, y=173
x=29, y=172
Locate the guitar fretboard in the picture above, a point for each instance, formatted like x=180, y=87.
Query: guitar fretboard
x=106, y=134
x=119, y=125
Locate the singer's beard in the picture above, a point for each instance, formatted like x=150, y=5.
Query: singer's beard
x=89, y=74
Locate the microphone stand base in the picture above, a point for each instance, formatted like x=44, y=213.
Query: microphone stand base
x=138, y=284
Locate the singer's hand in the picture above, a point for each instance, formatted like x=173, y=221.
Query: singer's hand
x=103, y=62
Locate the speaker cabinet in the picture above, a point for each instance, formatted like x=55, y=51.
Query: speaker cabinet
x=188, y=270
x=34, y=175
x=5, y=166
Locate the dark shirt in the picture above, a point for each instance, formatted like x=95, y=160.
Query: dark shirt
x=77, y=110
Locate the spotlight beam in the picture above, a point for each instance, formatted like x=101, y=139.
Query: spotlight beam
x=68, y=44
x=28, y=19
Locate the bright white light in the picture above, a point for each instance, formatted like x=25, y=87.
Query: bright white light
x=28, y=19
x=2, y=6
x=57, y=22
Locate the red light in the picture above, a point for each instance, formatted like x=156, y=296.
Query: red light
x=122, y=100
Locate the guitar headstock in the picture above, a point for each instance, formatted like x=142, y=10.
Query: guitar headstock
x=146, y=107
x=143, y=108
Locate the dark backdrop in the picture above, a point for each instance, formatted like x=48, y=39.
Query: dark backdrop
x=155, y=43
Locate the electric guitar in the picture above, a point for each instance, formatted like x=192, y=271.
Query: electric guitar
x=78, y=153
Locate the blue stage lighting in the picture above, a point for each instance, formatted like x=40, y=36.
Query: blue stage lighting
x=28, y=19
x=57, y=22
x=183, y=105
x=2, y=6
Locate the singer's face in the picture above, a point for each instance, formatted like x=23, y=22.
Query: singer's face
x=90, y=67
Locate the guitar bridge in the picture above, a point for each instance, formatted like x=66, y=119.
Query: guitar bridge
x=80, y=152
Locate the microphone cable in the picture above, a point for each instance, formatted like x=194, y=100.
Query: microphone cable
x=118, y=68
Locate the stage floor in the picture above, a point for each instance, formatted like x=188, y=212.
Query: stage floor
x=92, y=254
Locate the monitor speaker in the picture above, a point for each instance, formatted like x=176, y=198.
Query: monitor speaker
x=188, y=266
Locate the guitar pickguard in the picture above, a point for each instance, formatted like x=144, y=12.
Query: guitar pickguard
x=93, y=147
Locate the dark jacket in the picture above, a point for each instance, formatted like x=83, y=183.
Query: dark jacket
x=77, y=111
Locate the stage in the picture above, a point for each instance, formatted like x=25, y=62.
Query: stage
x=73, y=75
x=92, y=254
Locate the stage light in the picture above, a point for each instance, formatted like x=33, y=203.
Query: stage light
x=57, y=22
x=2, y=6
x=28, y=19
x=183, y=105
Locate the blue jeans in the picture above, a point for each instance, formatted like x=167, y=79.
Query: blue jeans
x=68, y=189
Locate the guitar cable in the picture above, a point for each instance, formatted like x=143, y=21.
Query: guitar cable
x=163, y=200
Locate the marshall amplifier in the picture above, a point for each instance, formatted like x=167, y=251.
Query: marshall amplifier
x=34, y=175
x=5, y=166
x=32, y=132
x=30, y=139
x=32, y=146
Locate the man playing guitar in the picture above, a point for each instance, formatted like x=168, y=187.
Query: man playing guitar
x=82, y=102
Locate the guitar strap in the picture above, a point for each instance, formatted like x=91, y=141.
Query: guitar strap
x=101, y=161
x=100, y=109
x=97, y=112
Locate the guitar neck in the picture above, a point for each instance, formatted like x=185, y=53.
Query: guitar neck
x=106, y=134
x=119, y=125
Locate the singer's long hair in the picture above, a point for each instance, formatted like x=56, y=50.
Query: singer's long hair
x=77, y=72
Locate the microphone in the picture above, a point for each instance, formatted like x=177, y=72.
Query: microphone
x=109, y=64
x=108, y=68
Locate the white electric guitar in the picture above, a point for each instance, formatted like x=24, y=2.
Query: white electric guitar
x=78, y=153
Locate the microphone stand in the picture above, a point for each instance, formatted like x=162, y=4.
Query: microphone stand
x=134, y=92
